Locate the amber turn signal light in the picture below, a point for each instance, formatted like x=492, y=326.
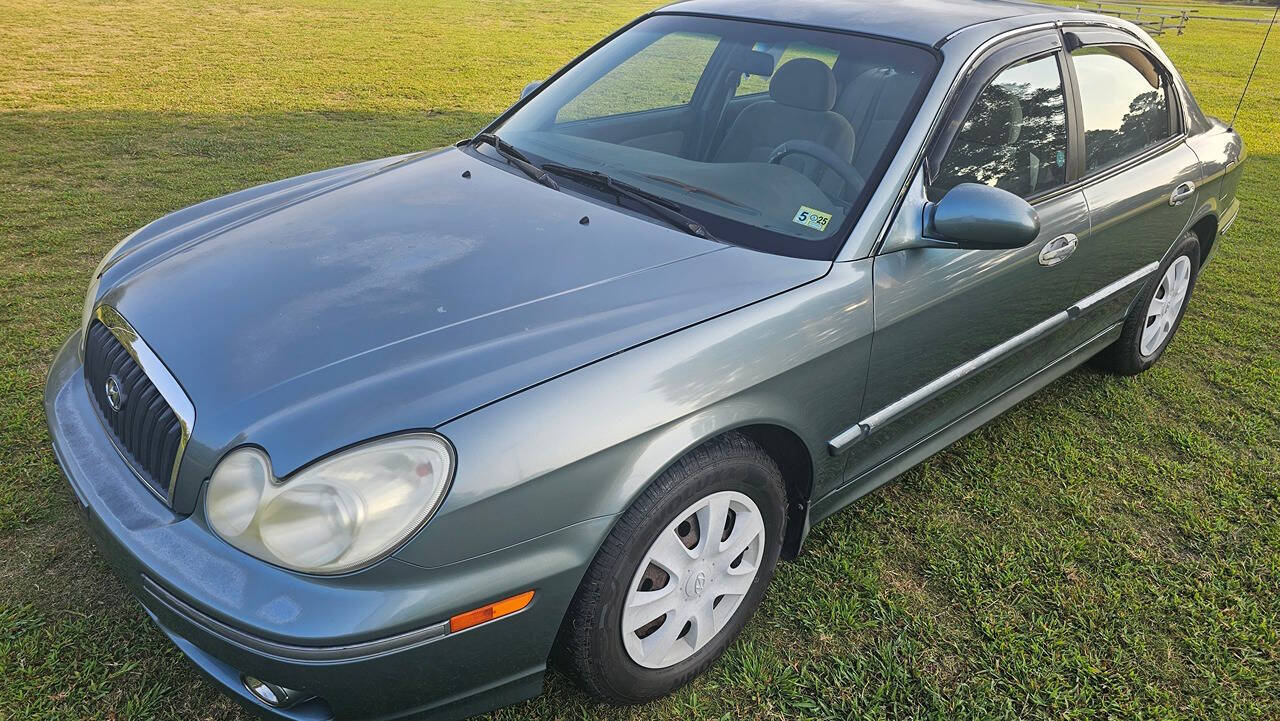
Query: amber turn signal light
x=494, y=610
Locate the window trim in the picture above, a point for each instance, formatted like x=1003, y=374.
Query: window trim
x=1075, y=119
x=1036, y=45
x=1177, y=124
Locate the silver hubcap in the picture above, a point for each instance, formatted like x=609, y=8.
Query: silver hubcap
x=1166, y=304
x=692, y=579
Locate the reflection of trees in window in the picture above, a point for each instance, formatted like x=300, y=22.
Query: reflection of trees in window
x=1146, y=123
x=1014, y=138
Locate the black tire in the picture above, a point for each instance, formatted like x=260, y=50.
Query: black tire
x=1124, y=356
x=590, y=646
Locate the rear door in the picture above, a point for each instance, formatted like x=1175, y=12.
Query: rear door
x=1139, y=176
x=939, y=310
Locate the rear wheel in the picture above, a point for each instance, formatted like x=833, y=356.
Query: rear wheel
x=679, y=575
x=1155, y=318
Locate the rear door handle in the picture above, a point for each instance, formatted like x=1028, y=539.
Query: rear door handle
x=1058, y=249
x=1181, y=193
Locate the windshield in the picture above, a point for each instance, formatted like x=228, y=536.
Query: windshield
x=770, y=137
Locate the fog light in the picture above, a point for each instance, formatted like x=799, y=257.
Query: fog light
x=272, y=694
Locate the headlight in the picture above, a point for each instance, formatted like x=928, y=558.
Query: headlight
x=335, y=515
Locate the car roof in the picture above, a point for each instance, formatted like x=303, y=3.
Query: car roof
x=920, y=21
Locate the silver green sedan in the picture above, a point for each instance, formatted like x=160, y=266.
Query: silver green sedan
x=384, y=440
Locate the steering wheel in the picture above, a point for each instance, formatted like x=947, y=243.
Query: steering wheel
x=823, y=155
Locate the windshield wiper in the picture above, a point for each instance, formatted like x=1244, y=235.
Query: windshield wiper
x=516, y=158
x=700, y=191
x=657, y=206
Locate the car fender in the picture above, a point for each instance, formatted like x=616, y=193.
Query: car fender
x=796, y=361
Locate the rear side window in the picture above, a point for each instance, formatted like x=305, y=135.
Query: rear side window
x=662, y=75
x=1014, y=137
x=1125, y=102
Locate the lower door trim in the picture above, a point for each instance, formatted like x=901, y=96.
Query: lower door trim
x=913, y=454
x=953, y=377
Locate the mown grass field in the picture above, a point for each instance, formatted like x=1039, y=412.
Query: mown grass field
x=1108, y=549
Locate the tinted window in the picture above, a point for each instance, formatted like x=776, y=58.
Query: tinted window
x=662, y=75
x=1125, y=102
x=1015, y=135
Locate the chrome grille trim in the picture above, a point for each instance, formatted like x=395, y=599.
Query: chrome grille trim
x=165, y=384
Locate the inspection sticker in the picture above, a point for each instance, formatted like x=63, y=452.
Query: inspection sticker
x=811, y=218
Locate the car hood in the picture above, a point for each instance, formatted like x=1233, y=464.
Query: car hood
x=403, y=294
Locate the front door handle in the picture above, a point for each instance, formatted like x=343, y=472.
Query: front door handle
x=1181, y=193
x=1058, y=249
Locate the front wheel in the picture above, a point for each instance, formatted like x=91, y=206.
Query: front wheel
x=1156, y=316
x=679, y=575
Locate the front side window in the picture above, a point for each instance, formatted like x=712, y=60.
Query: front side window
x=1125, y=102
x=1014, y=137
x=661, y=108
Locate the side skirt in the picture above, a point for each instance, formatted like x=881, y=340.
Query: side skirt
x=911, y=456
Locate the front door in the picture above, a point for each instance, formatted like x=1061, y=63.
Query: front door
x=940, y=311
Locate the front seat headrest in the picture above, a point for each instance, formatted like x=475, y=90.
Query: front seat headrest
x=996, y=119
x=804, y=83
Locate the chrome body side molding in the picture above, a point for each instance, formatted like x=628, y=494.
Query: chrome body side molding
x=1111, y=289
x=953, y=377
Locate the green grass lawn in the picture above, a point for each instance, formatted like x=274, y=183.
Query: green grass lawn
x=1109, y=548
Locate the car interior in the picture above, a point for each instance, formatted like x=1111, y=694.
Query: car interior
x=851, y=109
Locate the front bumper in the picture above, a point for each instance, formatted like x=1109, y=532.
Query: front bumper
x=368, y=645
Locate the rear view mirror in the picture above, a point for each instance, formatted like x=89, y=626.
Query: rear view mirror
x=978, y=216
x=530, y=88
x=758, y=64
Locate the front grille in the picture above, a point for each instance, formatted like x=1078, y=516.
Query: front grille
x=145, y=428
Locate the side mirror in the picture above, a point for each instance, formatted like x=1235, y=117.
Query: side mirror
x=978, y=216
x=530, y=88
